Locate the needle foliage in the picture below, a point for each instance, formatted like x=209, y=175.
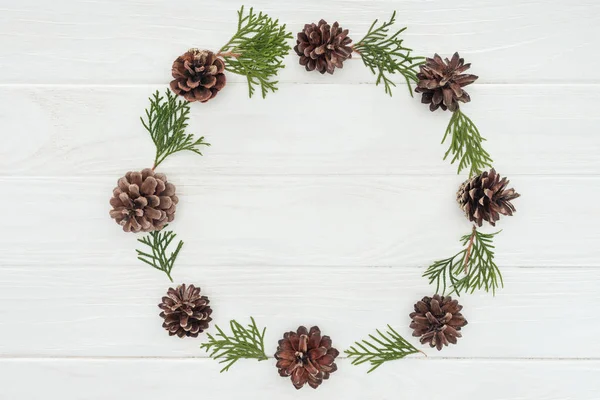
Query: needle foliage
x=386, y=346
x=256, y=50
x=166, y=121
x=384, y=54
x=158, y=242
x=466, y=145
x=472, y=268
x=242, y=343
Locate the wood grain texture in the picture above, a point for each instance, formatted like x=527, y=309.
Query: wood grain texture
x=83, y=131
x=150, y=379
x=336, y=221
x=321, y=204
x=112, y=310
x=115, y=41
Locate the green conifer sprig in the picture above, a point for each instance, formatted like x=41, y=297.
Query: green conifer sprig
x=472, y=268
x=387, y=346
x=385, y=55
x=466, y=145
x=158, y=242
x=243, y=343
x=166, y=120
x=256, y=50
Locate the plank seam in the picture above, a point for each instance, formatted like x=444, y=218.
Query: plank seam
x=190, y=358
x=166, y=84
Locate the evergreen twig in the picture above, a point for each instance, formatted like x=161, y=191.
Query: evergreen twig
x=466, y=144
x=166, y=121
x=384, y=54
x=387, y=347
x=257, y=50
x=159, y=241
x=245, y=343
x=472, y=268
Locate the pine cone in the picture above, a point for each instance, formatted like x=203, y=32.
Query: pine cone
x=199, y=75
x=437, y=320
x=485, y=197
x=143, y=201
x=442, y=82
x=306, y=357
x=185, y=312
x=323, y=47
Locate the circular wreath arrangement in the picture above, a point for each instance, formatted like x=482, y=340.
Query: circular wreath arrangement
x=146, y=201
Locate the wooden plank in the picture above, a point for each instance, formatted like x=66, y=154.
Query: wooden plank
x=92, y=130
x=285, y=221
x=112, y=310
x=109, y=41
x=118, y=379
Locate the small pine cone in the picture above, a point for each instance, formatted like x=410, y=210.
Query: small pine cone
x=437, y=320
x=442, y=82
x=306, y=356
x=484, y=197
x=323, y=47
x=185, y=312
x=199, y=75
x=143, y=201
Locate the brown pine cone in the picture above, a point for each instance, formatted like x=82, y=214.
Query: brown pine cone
x=437, y=320
x=143, y=201
x=306, y=356
x=185, y=312
x=323, y=47
x=199, y=75
x=442, y=82
x=484, y=197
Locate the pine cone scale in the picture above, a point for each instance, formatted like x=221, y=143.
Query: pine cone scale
x=448, y=330
x=286, y=355
x=316, y=353
x=431, y=318
x=310, y=368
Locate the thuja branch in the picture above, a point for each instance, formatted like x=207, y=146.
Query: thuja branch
x=243, y=343
x=469, y=248
x=472, y=268
x=466, y=144
x=385, y=55
x=386, y=346
x=257, y=50
x=158, y=242
x=228, y=54
x=166, y=121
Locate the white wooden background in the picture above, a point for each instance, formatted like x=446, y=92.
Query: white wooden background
x=320, y=205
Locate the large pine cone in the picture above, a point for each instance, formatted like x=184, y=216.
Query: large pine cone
x=323, y=47
x=143, y=201
x=199, y=75
x=306, y=356
x=442, y=82
x=437, y=320
x=485, y=197
x=185, y=312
